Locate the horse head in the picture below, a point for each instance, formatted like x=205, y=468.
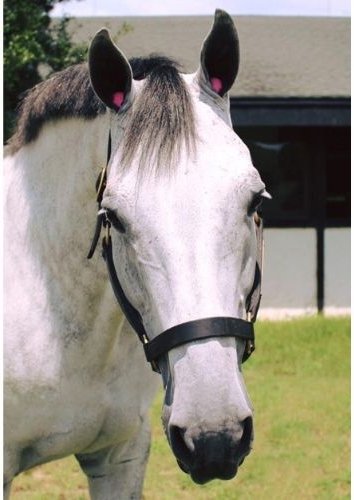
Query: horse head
x=181, y=193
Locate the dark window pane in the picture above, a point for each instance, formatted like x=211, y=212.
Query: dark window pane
x=337, y=144
x=283, y=167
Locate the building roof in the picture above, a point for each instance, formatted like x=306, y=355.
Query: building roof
x=280, y=56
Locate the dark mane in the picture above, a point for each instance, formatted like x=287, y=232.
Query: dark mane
x=66, y=94
x=161, y=117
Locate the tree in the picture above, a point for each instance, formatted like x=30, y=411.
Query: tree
x=32, y=40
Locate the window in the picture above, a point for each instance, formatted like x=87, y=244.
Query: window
x=307, y=171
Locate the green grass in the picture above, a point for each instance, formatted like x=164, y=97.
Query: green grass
x=299, y=382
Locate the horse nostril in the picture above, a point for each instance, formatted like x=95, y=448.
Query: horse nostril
x=179, y=446
x=246, y=439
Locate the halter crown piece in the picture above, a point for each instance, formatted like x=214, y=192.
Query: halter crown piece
x=185, y=332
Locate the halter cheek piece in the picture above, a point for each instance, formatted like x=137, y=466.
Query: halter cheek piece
x=185, y=332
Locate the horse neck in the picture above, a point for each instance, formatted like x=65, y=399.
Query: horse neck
x=50, y=197
x=57, y=174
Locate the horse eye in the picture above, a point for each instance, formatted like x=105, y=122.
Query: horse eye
x=255, y=204
x=115, y=222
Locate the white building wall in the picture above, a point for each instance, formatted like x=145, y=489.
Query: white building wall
x=289, y=279
x=337, y=270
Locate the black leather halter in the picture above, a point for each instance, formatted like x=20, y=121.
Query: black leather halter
x=183, y=333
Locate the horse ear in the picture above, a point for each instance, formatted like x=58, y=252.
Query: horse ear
x=110, y=72
x=220, y=54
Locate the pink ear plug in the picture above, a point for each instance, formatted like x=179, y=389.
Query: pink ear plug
x=118, y=98
x=216, y=84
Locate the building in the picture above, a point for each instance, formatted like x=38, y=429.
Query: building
x=291, y=105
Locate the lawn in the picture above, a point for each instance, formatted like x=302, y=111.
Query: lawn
x=299, y=382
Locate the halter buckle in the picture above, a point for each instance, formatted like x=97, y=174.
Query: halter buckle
x=257, y=219
x=101, y=184
x=249, y=347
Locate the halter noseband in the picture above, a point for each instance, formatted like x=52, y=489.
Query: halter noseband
x=190, y=331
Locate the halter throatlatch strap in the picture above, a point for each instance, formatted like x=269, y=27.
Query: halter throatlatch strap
x=183, y=333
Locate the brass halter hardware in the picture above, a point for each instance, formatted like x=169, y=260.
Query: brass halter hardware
x=101, y=184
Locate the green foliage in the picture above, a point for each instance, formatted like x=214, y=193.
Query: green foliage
x=32, y=42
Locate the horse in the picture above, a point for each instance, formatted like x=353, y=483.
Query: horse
x=177, y=202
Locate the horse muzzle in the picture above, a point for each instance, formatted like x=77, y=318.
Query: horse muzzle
x=212, y=455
